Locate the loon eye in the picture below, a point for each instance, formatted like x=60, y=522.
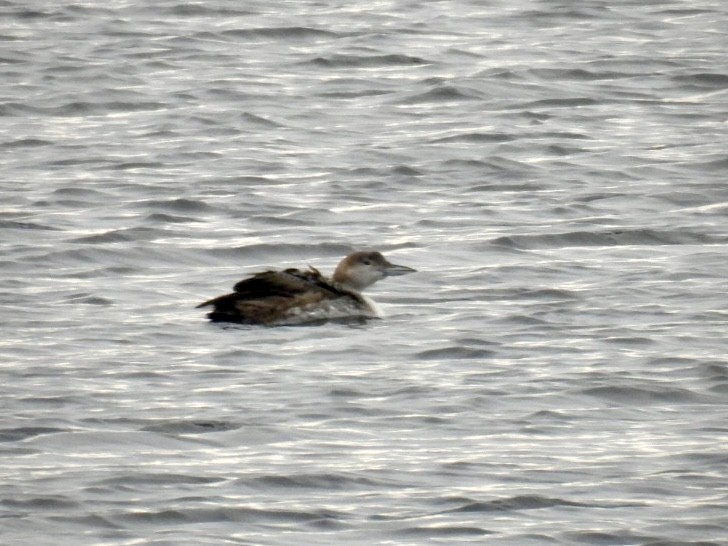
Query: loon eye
x=366, y=262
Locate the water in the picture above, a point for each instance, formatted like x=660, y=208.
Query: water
x=556, y=373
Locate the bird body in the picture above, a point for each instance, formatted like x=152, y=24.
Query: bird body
x=294, y=296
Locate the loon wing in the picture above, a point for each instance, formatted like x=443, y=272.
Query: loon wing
x=287, y=282
x=272, y=295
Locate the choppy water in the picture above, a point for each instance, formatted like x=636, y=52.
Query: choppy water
x=557, y=371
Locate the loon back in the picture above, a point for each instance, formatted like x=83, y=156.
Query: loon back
x=277, y=296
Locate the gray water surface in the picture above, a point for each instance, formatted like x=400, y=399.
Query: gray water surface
x=556, y=373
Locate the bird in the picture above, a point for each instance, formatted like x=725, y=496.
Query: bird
x=298, y=296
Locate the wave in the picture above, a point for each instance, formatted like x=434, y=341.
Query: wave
x=223, y=513
x=367, y=61
x=190, y=427
x=22, y=433
x=325, y=481
x=454, y=352
x=180, y=204
x=442, y=93
x=26, y=143
x=286, y=33
x=703, y=80
x=561, y=103
x=284, y=251
x=519, y=502
x=443, y=531
x=644, y=395
x=12, y=224
x=80, y=108
x=626, y=237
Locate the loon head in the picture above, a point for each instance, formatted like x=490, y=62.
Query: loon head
x=362, y=269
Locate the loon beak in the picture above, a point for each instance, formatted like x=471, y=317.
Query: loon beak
x=393, y=270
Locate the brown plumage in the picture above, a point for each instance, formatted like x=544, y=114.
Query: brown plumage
x=301, y=295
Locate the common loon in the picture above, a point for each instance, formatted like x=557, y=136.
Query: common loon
x=295, y=296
